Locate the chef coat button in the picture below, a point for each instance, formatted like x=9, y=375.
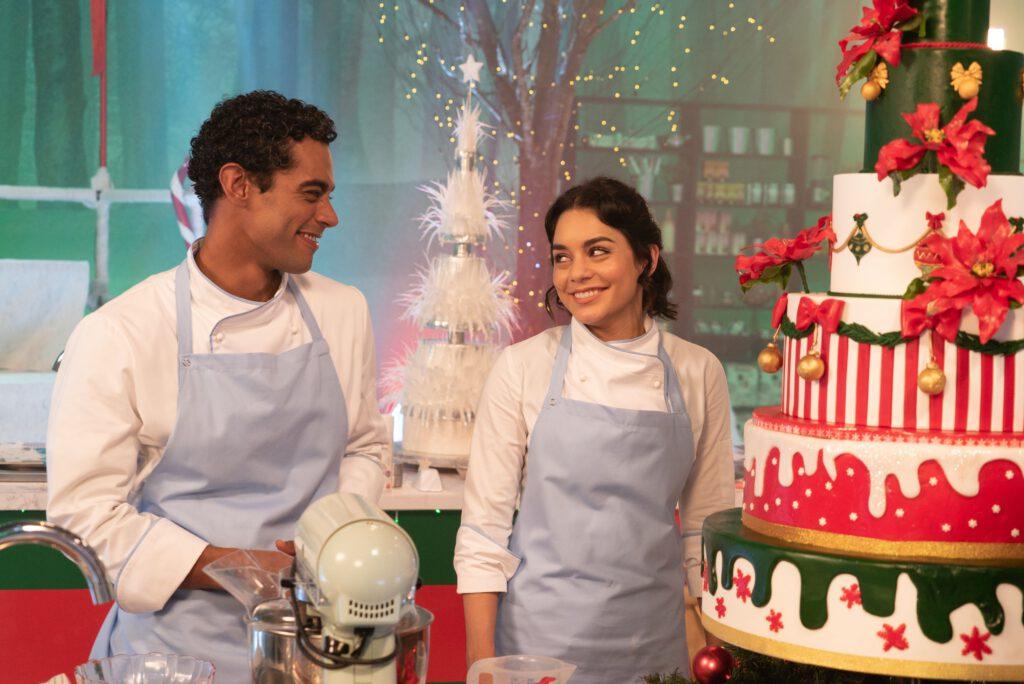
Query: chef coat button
x=219, y=337
x=295, y=330
x=657, y=383
x=551, y=401
x=583, y=378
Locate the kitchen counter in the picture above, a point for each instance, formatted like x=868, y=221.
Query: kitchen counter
x=31, y=496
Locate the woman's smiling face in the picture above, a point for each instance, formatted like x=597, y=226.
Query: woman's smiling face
x=596, y=275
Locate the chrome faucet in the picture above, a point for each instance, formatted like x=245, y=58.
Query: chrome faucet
x=73, y=548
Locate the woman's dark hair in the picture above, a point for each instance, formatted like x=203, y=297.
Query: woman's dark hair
x=256, y=131
x=624, y=209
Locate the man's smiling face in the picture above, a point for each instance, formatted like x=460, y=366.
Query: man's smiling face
x=284, y=223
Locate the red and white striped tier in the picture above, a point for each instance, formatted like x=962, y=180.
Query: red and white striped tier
x=912, y=493
x=874, y=386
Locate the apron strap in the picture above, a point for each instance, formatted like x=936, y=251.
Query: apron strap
x=558, y=372
x=307, y=314
x=673, y=390
x=183, y=307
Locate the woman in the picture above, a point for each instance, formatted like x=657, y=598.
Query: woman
x=598, y=429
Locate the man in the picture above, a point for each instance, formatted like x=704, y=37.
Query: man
x=205, y=408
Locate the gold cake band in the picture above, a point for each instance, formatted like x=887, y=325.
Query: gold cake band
x=855, y=663
x=870, y=546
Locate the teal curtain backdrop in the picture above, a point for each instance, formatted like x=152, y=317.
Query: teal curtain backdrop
x=170, y=61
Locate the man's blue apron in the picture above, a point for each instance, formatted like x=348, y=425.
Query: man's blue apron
x=258, y=437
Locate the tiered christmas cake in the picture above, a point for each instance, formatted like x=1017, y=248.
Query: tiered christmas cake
x=882, y=527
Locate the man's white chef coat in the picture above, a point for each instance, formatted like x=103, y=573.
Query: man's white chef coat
x=625, y=374
x=114, y=406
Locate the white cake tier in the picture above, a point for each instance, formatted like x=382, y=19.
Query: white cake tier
x=898, y=222
x=430, y=437
x=442, y=383
x=876, y=386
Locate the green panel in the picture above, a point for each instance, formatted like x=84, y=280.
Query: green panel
x=923, y=76
x=434, y=535
x=35, y=567
x=952, y=20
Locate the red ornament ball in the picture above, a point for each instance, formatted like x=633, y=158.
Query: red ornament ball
x=713, y=665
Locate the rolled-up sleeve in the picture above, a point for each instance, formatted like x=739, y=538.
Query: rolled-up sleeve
x=483, y=562
x=710, y=487
x=92, y=452
x=362, y=470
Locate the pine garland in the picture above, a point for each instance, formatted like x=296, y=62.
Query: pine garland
x=754, y=668
x=859, y=333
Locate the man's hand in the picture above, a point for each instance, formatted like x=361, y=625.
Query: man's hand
x=273, y=561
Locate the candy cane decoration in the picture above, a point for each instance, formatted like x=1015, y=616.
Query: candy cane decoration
x=181, y=209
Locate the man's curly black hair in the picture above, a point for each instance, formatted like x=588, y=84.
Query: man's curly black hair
x=256, y=131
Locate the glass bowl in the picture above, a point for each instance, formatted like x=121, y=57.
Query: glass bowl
x=151, y=668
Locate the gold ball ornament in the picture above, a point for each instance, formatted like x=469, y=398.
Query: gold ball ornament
x=870, y=90
x=968, y=89
x=811, y=367
x=931, y=380
x=769, y=359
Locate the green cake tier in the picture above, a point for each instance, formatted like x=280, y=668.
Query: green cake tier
x=952, y=20
x=892, y=616
x=924, y=76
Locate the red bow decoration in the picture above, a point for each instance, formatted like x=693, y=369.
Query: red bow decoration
x=925, y=312
x=827, y=314
x=880, y=30
x=781, y=304
x=959, y=147
x=935, y=221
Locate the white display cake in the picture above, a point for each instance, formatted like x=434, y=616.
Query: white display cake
x=882, y=527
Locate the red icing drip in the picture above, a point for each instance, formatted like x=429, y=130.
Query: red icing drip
x=937, y=513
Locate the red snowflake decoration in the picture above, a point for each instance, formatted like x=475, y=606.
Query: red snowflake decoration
x=851, y=595
x=742, y=585
x=975, y=643
x=774, y=621
x=720, y=607
x=893, y=637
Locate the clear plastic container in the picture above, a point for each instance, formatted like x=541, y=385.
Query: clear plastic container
x=520, y=669
x=151, y=668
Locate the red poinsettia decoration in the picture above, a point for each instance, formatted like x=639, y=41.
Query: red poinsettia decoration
x=877, y=35
x=959, y=147
x=774, y=263
x=979, y=270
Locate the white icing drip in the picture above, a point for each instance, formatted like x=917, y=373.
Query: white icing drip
x=961, y=463
x=850, y=630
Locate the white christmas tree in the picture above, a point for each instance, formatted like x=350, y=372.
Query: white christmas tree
x=463, y=308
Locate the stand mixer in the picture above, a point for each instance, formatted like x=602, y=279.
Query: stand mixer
x=355, y=574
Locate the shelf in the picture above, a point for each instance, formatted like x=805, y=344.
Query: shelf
x=725, y=156
x=731, y=347
x=634, y=151
x=770, y=207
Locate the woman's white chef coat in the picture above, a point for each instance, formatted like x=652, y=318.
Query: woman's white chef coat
x=115, y=403
x=624, y=374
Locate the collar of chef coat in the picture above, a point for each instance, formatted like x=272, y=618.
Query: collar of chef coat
x=645, y=344
x=225, y=310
